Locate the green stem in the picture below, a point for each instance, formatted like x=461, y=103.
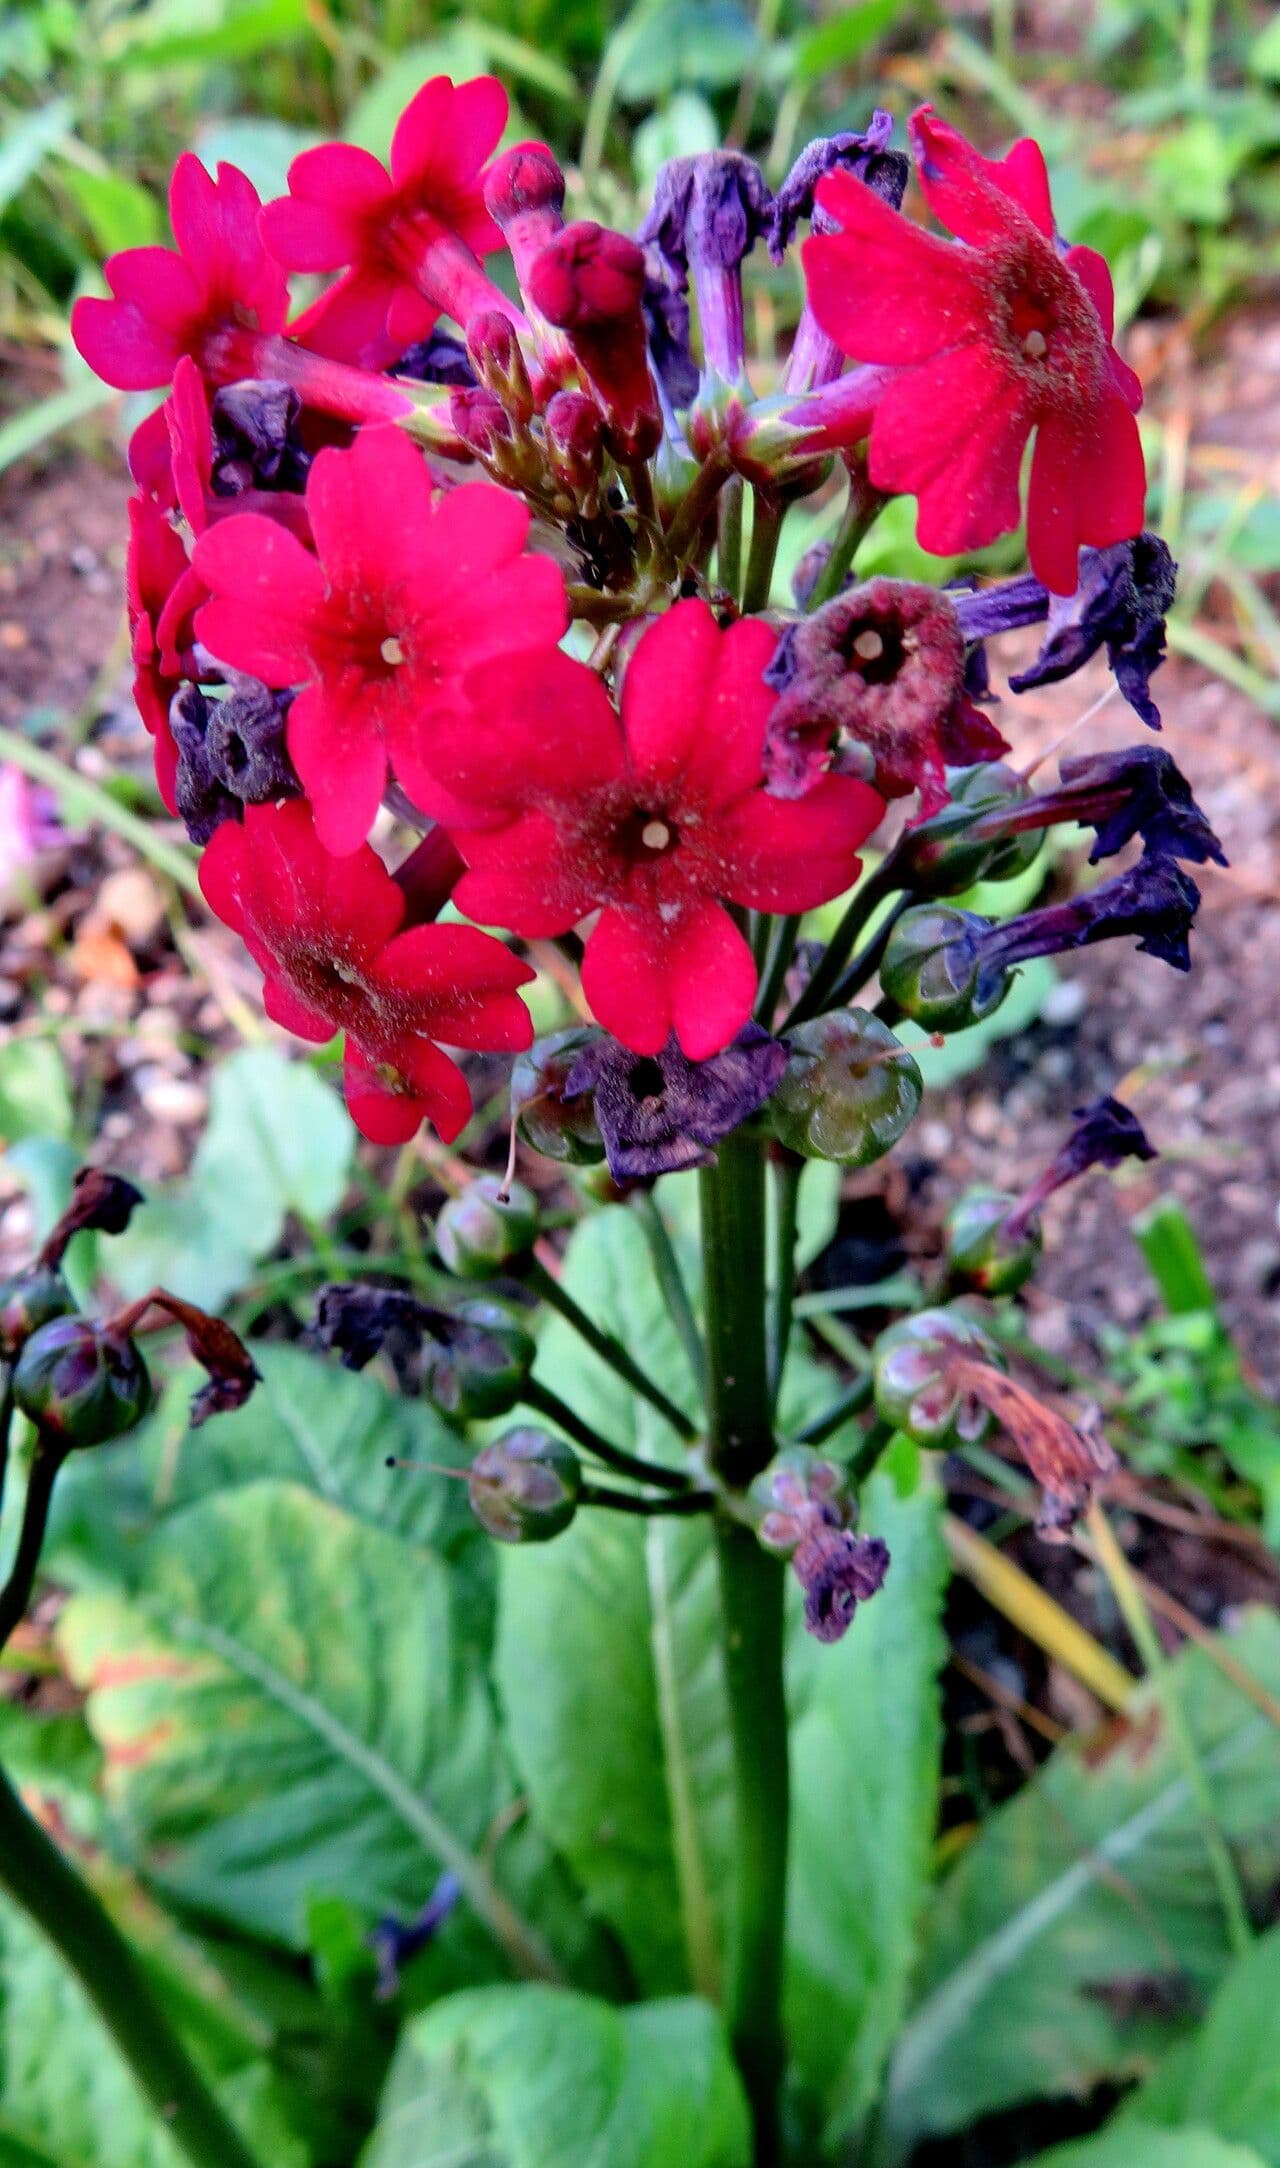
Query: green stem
x=863, y=507
x=865, y=900
x=852, y=1401
x=696, y=505
x=16, y=1593
x=766, y=528
x=604, y=1345
x=782, y=947
x=670, y=1278
x=537, y=1395
x=34, y=1873
x=740, y=1444
x=869, y=957
x=729, y=539
x=786, y=1203
x=751, y=1596
x=600, y=1494
x=6, y=1422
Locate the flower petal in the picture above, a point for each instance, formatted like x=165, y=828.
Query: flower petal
x=953, y=432
x=980, y=199
x=712, y=978
x=624, y=977
x=341, y=763
x=882, y=288
x=789, y=854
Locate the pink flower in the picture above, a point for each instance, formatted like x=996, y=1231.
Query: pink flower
x=404, y=594
x=156, y=572
x=219, y=285
x=654, y=819
x=407, y=241
x=989, y=338
x=329, y=935
x=220, y=298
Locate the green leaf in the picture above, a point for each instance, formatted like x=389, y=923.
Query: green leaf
x=847, y=36
x=681, y=128
x=1227, y=2078
x=696, y=44
x=1094, y=1876
x=278, y=1141
x=1264, y=53
x=532, y=2078
x=35, y=1093
x=27, y=144
x=1131, y=2145
x=67, y=2098
x=866, y=1741
x=290, y=1704
x=1168, y=1241
x=264, y=149
x=119, y=213
x=607, y=1661
x=205, y=33
x=308, y=1422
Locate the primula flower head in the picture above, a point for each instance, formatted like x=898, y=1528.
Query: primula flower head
x=656, y=818
x=990, y=337
x=220, y=283
x=404, y=593
x=329, y=936
x=406, y=241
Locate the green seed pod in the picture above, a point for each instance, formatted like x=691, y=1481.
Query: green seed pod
x=798, y=1484
x=559, y=1128
x=488, y=1226
x=984, y=787
x=29, y=1300
x=80, y=1383
x=524, y=1488
x=480, y=1367
x=913, y=1389
x=931, y=969
x=981, y=1255
x=849, y=1090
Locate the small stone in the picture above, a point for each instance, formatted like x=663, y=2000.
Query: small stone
x=130, y=902
x=1064, y=1003
x=170, y=1098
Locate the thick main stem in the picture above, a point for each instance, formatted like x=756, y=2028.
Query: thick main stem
x=740, y=1443
x=34, y=1873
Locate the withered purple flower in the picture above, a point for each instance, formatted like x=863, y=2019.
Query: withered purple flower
x=837, y=1570
x=439, y=359
x=256, y=444
x=1121, y=602
x=394, y=1942
x=708, y=212
x=355, y=1320
x=1153, y=800
x=231, y=753
x=202, y=798
x=1106, y=1133
x=660, y=1112
x=99, y=1200
x=1154, y=901
x=866, y=155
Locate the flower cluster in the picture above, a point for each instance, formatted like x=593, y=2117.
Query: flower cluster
x=418, y=555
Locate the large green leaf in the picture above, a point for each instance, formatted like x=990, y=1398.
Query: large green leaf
x=531, y=2078
x=1094, y=1877
x=289, y=1705
x=308, y=1422
x=607, y=1661
x=1227, y=2078
x=1133, y=2145
x=865, y=1748
x=67, y=2098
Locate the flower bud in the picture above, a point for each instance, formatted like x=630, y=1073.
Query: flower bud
x=590, y=283
x=524, y=1488
x=524, y=194
x=494, y=346
x=486, y=1228
x=478, y=1367
x=984, y=1256
x=80, y=1383
x=575, y=445
x=559, y=1127
x=932, y=969
x=913, y=1384
x=29, y=1300
x=849, y=1089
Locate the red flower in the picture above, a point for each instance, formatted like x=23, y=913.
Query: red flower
x=155, y=571
x=990, y=339
x=410, y=237
x=219, y=286
x=406, y=592
x=328, y=934
x=652, y=820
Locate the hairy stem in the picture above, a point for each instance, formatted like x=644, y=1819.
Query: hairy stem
x=34, y=1873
